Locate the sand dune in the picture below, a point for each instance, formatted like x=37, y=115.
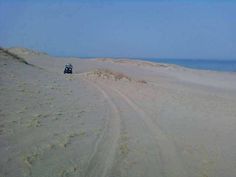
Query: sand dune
x=112, y=118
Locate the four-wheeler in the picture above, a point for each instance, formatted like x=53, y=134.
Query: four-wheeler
x=68, y=69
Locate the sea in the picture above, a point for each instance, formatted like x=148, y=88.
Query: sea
x=215, y=65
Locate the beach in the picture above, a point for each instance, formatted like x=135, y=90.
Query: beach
x=114, y=118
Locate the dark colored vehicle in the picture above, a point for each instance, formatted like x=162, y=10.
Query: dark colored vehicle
x=68, y=69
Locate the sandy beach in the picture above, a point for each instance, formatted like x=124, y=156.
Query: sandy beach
x=114, y=118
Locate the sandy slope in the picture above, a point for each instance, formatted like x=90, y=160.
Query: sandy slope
x=128, y=118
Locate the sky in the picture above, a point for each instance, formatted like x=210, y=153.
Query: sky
x=193, y=29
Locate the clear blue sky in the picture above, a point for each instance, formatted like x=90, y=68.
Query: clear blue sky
x=122, y=28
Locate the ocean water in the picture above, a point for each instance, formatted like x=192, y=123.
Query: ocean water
x=215, y=65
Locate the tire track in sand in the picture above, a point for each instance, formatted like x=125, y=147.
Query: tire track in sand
x=102, y=158
x=171, y=163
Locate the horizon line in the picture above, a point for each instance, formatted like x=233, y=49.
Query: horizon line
x=120, y=57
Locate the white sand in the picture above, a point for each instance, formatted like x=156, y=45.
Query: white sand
x=127, y=119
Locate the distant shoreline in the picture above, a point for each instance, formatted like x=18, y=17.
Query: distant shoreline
x=199, y=64
x=213, y=65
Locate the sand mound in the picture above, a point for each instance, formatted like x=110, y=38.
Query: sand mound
x=25, y=52
x=104, y=59
x=112, y=75
x=6, y=53
x=134, y=62
x=108, y=74
x=140, y=63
